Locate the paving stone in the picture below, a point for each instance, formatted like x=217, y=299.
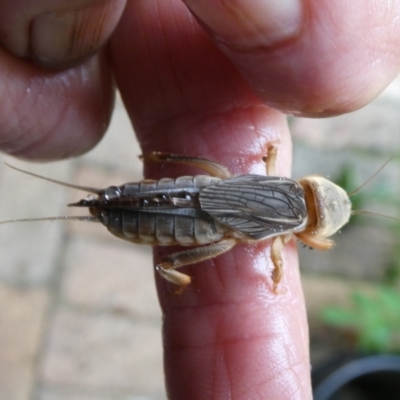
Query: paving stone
x=117, y=277
x=22, y=320
x=103, y=352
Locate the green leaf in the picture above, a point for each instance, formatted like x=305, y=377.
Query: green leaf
x=375, y=318
x=338, y=317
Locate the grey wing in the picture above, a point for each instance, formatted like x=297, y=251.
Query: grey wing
x=256, y=206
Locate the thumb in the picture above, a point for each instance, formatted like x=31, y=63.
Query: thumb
x=308, y=58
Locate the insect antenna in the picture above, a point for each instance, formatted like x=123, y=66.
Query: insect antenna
x=89, y=189
x=355, y=212
x=353, y=192
x=70, y=185
x=373, y=175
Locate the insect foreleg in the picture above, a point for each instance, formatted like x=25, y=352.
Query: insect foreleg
x=270, y=159
x=276, y=257
x=211, y=167
x=167, y=266
x=320, y=243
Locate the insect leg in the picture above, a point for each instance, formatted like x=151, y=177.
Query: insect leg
x=166, y=267
x=270, y=159
x=208, y=166
x=320, y=243
x=276, y=256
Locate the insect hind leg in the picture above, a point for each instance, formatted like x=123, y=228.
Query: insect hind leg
x=208, y=166
x=168, y=265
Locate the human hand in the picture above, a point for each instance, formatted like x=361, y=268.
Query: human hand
x=227, y=334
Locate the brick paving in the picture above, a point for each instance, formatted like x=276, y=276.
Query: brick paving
x=80, y=318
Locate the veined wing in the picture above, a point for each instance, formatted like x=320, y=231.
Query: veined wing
x=256, y=206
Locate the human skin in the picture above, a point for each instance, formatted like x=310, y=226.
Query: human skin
x=208, y=78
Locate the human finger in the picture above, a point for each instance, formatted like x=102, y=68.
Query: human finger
x=57, y=33
x=49, y=115
x=308, y=58
x=184, y=96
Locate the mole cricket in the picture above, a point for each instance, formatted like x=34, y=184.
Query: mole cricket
x=214, y=212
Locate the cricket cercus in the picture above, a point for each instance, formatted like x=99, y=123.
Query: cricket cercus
x=214, y=212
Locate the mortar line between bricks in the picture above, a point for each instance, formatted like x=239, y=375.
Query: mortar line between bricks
x=130, y=317
x=99, y=393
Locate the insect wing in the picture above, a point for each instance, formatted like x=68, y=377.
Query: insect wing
x=257, y=206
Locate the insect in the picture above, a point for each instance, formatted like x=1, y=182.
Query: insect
x=214, y=212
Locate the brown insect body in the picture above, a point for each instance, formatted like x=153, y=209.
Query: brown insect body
x=217, y=211
x=198, y=210
x=163, y=212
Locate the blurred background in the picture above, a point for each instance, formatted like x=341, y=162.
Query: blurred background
x=77, y=303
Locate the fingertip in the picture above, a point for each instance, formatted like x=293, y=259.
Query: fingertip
x=333, y=58
x=48, y=115
x=62, y=36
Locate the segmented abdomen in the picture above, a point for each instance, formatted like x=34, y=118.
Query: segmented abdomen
x=163, y=212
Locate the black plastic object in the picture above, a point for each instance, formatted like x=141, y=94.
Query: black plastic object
x=363, y=378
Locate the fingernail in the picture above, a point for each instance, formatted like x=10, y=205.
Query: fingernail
x=63, y=38
x=250, y=23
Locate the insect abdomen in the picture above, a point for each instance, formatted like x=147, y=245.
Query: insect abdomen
x=163, y=212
